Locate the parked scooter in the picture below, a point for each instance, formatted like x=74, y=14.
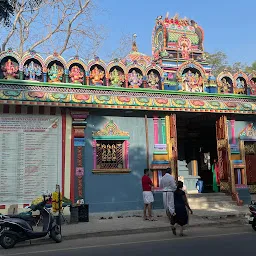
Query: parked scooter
x=15, y=229
x=252, y=218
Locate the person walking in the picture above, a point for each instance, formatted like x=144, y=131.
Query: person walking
x=148, y=197
x=181, y=205
x=168, y=185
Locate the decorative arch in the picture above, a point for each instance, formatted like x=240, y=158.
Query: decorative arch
x=225, y=82
x=116, y=73
x=252, y=83
x=241, y=83
x=77, y=60
x=156, y=67
x=11, y=59
x=135, y=76
x=10, y=53
x=97, y=61
x=137, y=66
x=56, y=72
x=55, y=57
x=191, y=77
x=118, y=64
x=153, y=78
x=32, y=55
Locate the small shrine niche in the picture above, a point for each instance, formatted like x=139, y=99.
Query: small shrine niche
x=225, y=85
x=153, y=79
x=191, y=80
x=33, y=70
x=97, y=75
x=135, y=78
x=116, y=77
x=241, y=86
x=55, y=72
x=253, y=86
x=76, y=73
x=9, y=68
x=110, y=149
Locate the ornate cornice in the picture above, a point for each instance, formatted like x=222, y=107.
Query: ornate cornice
x=120, y=98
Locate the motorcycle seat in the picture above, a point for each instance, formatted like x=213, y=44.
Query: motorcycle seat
x=23, y=217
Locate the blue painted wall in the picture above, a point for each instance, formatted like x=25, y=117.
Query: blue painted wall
x=117, y=192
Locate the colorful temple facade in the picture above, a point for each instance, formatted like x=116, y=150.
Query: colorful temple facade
x=93, y=127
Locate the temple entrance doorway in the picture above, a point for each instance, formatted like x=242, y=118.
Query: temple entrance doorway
x=197, y=149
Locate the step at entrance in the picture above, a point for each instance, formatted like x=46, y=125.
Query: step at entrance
x=210, y=201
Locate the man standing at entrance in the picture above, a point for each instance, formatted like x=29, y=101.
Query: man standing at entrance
x=148, y=197
x=168, y=185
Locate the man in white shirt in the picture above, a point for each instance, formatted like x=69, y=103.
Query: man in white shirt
x=168, y=185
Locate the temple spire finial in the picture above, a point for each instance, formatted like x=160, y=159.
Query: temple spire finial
x=134, y=44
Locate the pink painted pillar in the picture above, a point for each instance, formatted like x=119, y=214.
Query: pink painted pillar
x=126, y=146
x=94, y=154
x=155, y=120
x=233, y=131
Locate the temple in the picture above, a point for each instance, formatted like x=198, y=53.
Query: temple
x=93, y=127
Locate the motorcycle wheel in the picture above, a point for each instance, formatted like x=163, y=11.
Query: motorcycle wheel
x=55, y=234
x=254, y=224
x=8, y=241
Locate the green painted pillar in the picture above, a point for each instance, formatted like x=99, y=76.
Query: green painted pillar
x=163, y=124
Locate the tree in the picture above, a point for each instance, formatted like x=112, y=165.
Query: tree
x=54, y=26
x=218, y=62
x=7, y=9
x=250, y=69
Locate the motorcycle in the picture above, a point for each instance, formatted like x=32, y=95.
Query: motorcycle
x=18, y=228
x=252, y=217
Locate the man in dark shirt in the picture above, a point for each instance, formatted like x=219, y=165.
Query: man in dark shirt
x=148, y=197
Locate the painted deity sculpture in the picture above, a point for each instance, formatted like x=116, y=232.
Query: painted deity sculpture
x=116, y=78
x=55, y=74
x=76, y=75
x=10, y=70
x=253, y=86
x=192, y=82
x=97, y=76
x=153, y=80
x=32, y=71
x=135, y=79
x=225, y=86
x=240, y=83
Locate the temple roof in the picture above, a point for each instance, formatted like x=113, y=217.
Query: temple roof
x=136, y=57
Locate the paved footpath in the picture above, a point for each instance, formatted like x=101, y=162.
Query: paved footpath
x=132, y=224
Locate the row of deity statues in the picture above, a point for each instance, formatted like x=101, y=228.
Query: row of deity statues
x=190, y=81
x=33, y=71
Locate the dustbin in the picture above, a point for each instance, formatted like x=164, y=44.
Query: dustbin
x=83, y=213
x=200, y=186
x=74, y=214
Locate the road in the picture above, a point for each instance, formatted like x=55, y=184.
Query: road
x=225, y=240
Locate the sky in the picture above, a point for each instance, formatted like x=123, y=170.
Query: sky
x=229, y=25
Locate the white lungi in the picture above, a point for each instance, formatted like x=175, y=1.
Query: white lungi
x=148, y=197
x=168, y=200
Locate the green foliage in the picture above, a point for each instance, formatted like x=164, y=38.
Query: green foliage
x=7, y=8
x=219, y=61
x=6, y=12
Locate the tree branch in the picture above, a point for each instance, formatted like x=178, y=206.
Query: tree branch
x=13, y=26
x=50, y=34
x=69, y=28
